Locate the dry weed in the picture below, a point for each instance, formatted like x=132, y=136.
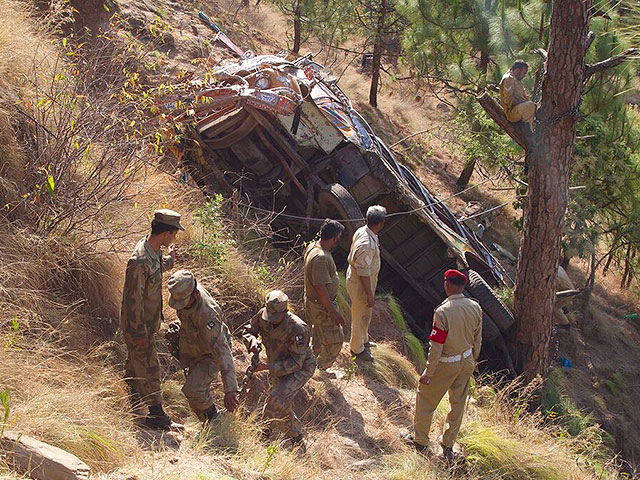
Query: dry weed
x=74, y=403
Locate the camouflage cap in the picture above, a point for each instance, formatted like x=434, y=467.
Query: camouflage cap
x=181, y=285
x=168, y=217
x=276, y=305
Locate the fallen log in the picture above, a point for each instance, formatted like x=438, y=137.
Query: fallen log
x=518, y=131
x=41, y=461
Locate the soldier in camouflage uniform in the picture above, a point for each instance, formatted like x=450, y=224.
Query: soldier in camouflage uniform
x=291, y=362
x=141, y=314
x=205, y=345
x=321, y=284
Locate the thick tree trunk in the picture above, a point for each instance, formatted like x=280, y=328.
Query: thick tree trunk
x=549, y=167
x=297, y=27
x=377, y=54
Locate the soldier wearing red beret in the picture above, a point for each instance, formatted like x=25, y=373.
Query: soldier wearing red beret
x=455, y=341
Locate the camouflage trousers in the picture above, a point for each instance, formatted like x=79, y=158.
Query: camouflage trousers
x=278, y=411
x=197, y=387
x=327, y=336
x=143, y=371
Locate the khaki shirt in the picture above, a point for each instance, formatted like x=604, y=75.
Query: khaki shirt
x=204, y=334
x=286, y=344
x=563, y=282
x=461, y=318
x=364, y=257
x=319, y=269
x=141, y=311
x=512, y=93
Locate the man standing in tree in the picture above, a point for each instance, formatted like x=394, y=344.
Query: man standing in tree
x=321, y=284
x=455, y=342
x=513, y=97
x=204, y=346
x=290, y=361
x=362, y=280
x=141, y=314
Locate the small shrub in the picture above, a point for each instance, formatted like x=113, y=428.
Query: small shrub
x=5, y=402
x=558, y=407
x=615, y=384
x=392, y=369
x=413, y=345
x=493, y=450
x=213, y=246
x=505, y=294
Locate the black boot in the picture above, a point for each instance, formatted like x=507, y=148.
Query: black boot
x=298, y=442
x=159, y=420
x=210, y=413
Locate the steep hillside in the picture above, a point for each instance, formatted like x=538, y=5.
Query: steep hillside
x=68, y=232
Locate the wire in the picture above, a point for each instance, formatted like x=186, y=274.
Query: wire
x=394, y=214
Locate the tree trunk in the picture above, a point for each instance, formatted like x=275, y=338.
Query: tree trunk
x=378, y=45
x=549, y=166
x=465, y=175
x=297, y=26
x=484, y=35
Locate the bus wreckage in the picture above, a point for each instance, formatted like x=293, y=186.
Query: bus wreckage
x=286, y=135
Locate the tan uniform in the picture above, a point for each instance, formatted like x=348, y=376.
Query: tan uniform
x=364, y=261
x=320, y=269
x=291, y=364
x=455, y=344
x=205, y=349
x=517, y=107
x=140, y=318
x=563, y=282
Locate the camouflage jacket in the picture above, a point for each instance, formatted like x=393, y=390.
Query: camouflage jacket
x=141, y=311
x=286, y=344
x=204, y=334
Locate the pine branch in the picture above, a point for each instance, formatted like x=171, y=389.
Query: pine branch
x=610, y=62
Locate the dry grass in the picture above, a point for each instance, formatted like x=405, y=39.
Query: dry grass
x=51, y=287
x=74, y=403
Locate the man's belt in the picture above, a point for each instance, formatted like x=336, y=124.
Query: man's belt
x=456, y=358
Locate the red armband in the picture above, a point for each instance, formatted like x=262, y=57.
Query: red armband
x=438, y=336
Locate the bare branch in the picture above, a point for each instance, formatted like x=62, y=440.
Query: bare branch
x=518, y=131
x=610, y=62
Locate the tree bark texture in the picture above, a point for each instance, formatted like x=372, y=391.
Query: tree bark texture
x=518, y=131
x=550, y=158
x=297, y=26
x=465, y=175
x=378, y=45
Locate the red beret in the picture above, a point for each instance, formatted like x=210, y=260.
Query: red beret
x=451, y=274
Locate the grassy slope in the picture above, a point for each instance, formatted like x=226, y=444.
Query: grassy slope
x=63, y=374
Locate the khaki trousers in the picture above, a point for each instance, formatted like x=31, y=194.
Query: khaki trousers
x=454, y=378
x=327, y=336
x=360, y=312
x=197, y=387
x=524, y=112
x=559, y=318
